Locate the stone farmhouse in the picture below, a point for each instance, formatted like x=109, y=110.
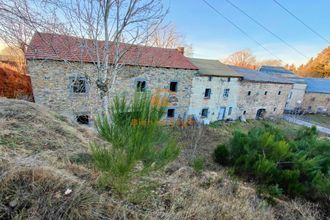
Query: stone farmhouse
x=317, y=96
x=215, y=91
x=261, y=95
x=297, y=92
x=63, y=73
x=61, y=70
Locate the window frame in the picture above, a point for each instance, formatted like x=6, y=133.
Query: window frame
x=207, y=112
x=176, y=86
x=170, y=109
x=226, y=93
x=207, y=95
x=73, y=88
x=230, y=109
x=142, y=89
x=82, y=121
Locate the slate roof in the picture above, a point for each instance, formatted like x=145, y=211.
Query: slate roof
x=275, y=69
x=213, y=68
x=69, y=48
x=257, y=76
x=282, y=72
x=318, y=85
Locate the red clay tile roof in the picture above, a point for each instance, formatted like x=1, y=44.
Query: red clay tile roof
x=64, y=47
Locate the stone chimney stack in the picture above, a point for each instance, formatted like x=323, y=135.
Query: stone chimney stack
x=180, y=50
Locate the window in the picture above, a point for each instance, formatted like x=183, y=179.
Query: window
x=226, y=93
x=173, y=86
x=230, y=110
x=244, y=113
x=83, y=119
x=309, y=108
x=279, y=93
x=79, y=85
x=207, y=93
x=249, y=92
x=286, y=104
x=205, y=112
x=228, y=80
x=266, y=92
x=274, y=109
x=141, y=86
x=313, y=99
x=290, y=95
x=170, y=113
x=210, y=78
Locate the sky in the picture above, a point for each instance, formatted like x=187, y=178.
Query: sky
x=213, y=37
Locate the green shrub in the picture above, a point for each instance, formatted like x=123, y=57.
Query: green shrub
x=134, y=135
x=297, y=167
x=221, y=155
x=198, y=164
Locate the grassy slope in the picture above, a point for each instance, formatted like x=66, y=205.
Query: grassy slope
x=42, y=155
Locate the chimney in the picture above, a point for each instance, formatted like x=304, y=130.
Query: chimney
x=180, y=50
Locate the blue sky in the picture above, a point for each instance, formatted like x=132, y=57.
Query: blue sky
x=213, y=37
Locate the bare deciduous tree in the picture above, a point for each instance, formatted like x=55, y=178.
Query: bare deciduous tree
x=243, y=58
x=109, y=23
x=270, y=63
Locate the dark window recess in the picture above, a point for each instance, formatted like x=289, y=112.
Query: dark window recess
x=229, y=110
x=244, y=113
x=249, y=92
x=309, y=108
x=279, y=92
x=173, y=86
x=226, y=93
x=141, y=86
x=205, y=112
x=207, y=93
x=79, y=85
x=313, y=99
x=274, y=109
x=170, y=113
x=83, y=119
x=266, y=92
x=210, y=78
x=228, y=79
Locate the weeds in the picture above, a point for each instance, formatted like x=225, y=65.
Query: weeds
x=198, y=164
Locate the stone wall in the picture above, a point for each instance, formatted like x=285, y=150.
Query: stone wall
x=272, y=101
x=217, y=99
x=295, y=97
x=316, y=103
x=51, y=82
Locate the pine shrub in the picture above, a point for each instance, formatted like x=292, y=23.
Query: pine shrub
x=137, y=141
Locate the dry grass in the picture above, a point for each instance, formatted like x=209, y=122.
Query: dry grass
x=42, y=155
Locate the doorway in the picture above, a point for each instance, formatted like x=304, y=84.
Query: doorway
x=222, y=113
x=261, y=113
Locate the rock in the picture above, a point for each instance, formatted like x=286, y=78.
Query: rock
x=13, y=203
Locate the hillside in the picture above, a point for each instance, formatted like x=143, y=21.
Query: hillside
x=46, y=173
x=318, y=66
x=13, y=84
